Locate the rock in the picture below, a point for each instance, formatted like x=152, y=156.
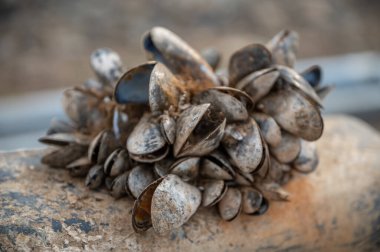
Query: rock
x=337, y=207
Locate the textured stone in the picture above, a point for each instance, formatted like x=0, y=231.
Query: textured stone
x=337, y=207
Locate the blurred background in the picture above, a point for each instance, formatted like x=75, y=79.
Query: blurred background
x=45, y=47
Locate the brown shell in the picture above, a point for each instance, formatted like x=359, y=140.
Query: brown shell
x=63, y=156
x=95, y=177
x=117, y=187
x=79, y=167
x=102, y=146
x=63, y=139
x=288, y=149
x=251, y=200
x=273, y=191
x=294, y=113
x=117, y=163
x=212, y=57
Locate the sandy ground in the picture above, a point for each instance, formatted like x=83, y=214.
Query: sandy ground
x=46, y=44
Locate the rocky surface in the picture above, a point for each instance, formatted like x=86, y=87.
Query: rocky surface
x=335, y=208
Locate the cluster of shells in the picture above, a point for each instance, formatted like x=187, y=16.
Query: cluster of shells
x=177, y=134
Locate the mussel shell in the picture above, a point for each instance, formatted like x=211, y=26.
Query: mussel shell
x=313, y=75
x=166, y=47
x=247, y=60
x=164, y=89
x=106, y=64
x=162, y=167
x=212, y=57
x=283, y=47
x=245, y=179
x=263, y=208
x=238, y=94
x=118, y=185
x=251, y=200
x=63, y=139
x=294, y=79
x=277, y=170
x=173, y=203
x=79, y=167
x=133, y=86
x=102, y=146
x=212, y=167
x=259, y=83
x=186, y=168
x=168, y=128
x=61, y=157
x=288, y=149
x=246, y=152
x=233, y=109
x=307, y=160
x=199, y=130
x=95, y=177
x=294, y=113
x=323, y=91
x=60, y=126
x=139, y=178
x=214, y=191
x=273, y=191
x=141, y=212
x=146, y=143
x=117, y=163
x=270, y=130
x=84, y=110
x=230, y=205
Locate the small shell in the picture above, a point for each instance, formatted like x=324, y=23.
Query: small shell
x=284, y=47
x=79, y=167
x=294, y=113
x=270, y=130
x=164, y=89
x=162, y=167
x=244, y=180
x=95, y=177
x=251, y=200
x=277, y=170
x=294, y=79
x=64, y=139
x=168, y=128
x=247, y=150
x=230, y=205
x=212, y=167
x=133, y=86
x=141, y=212
x=263, y=208
x=313, y=75
x=102, y=146
x=182, y=60
x=212, y=56
x=59, y=126
x=139, y=178
x=273, y=191
x=214, y=191
x=199, y=131
x=242, y=96
x=288, y=149
x=61, y=157
x=323, y=91
x=173, y=203
x=146, y=143
x=233, y=109
x=247, y=60
x=118, y=185
x=186, y=168
x=106, y=64
x=307, y=160
x=258, y=84
x=117, y=163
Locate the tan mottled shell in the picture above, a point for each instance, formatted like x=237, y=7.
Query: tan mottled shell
x=270, y=130
x=251, y=200
x=230, y=205
x=284, y=47
x=214, y=190
x=288, y=149
x=307, y=160
x=186, y=168
x=139, y=178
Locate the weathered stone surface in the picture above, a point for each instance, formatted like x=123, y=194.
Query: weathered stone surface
x=335, y=208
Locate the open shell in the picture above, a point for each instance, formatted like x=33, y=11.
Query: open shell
x=199, y=130
x=313, y=76
x=294, y=113
x=166, y=47
x=146, y=143
x=117, y=163
x=102, y=146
